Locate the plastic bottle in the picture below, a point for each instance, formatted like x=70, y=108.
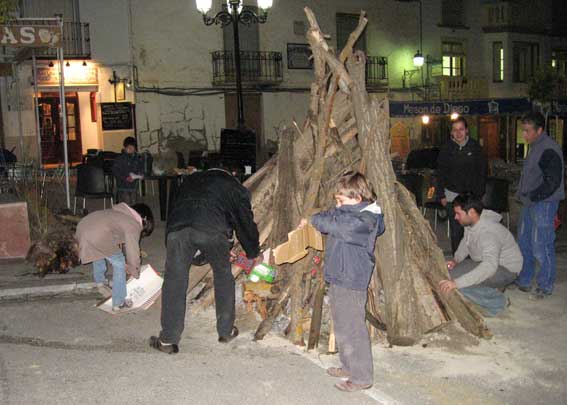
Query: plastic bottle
x=263, y=272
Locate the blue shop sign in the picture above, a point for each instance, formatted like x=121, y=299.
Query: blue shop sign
x=470, y=107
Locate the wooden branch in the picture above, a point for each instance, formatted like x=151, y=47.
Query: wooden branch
x=353, y=37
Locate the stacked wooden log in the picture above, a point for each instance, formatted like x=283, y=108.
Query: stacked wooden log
x=346, y=129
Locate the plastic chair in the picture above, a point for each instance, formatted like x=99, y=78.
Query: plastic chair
x=91, y=184
x=495, y=197
x=415, y=183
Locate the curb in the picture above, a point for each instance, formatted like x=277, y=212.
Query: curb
x=45, y=291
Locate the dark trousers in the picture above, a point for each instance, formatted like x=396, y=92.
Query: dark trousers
x=456, y=230
x=181, y=247
x=348, y=310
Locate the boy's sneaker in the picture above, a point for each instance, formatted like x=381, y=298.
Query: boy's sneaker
x=127, y=304
x=104, y=290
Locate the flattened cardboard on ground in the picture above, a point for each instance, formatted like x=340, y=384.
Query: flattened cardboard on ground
x=143, y=291
x=296, y=246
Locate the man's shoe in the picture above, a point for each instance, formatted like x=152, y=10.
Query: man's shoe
x=233, y=334
x=169, y=348
x=524, y=289
x=538, y=295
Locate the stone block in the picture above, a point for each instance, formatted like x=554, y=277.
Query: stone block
x=15, y=230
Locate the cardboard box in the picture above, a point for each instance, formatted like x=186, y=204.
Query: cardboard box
x=296, y=247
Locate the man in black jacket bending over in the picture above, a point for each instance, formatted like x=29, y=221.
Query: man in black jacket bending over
x=462, y=170
x=208, y=207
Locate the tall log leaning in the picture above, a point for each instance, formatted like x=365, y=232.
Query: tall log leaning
x=411, y=262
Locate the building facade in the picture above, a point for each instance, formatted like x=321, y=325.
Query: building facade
x=178, y=73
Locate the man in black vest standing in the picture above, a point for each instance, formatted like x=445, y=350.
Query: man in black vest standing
x=462, y=170
x=208, y=207
x=540, y=190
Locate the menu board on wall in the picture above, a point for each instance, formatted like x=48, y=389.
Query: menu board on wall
x=116, y=116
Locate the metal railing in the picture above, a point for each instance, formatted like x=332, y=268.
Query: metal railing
x=76, y=42
x=462, y=88
x=255, y=67
x=376, y=71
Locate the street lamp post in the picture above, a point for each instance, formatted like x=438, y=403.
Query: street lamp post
x=234, y=15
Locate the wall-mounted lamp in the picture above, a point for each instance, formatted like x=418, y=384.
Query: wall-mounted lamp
x=50, y=63
x=85, y=63
x=418, y=59
x=67, y=64
x=425, y=119
x=454, y=116
x=119, y=84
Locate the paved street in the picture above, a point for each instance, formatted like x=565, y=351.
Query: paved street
x=63, y=351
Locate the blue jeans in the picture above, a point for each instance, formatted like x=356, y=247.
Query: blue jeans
x=118, y=263
x=536, y=238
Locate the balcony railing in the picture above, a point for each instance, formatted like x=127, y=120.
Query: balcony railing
x=76, y=42
x=255, y=67
x=462, y=88
x=376, y=72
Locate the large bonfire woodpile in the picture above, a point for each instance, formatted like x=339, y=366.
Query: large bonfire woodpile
x=348, y=130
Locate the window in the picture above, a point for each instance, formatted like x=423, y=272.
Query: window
x=452, y=14
x=497, y=62
x=347, y=23
x=559, y=61
x=453, y=59
x=525, y=59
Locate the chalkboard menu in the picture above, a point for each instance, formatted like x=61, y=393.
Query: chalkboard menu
x=116, y=116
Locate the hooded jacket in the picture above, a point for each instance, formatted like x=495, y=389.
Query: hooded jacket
x=102, y=233
x=490, y=243
x=351, y=235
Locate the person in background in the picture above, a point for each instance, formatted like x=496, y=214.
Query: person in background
x=113, y=236
x=207, y=209
x=128, y=169
x=488, y=255
x=462, y=169
x=351, y=228
x=542, y=186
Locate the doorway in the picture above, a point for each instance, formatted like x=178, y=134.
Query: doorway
x=51, y=130
x=490, y=135
x=252, y=118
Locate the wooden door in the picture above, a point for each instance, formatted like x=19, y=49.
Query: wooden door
x=51, y=130
x=252, y=119
x=489, y=133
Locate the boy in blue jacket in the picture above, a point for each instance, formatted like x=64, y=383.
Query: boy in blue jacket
x=351, y=229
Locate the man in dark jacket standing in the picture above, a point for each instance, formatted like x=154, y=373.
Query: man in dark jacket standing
x=462, y=170
x=208, y=207
x=540, y=190
x=127, y=170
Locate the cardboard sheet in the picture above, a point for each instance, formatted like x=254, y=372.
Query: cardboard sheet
x=143, y=291
x=296, y=246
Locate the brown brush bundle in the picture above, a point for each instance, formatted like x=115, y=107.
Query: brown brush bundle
x=55, y=254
